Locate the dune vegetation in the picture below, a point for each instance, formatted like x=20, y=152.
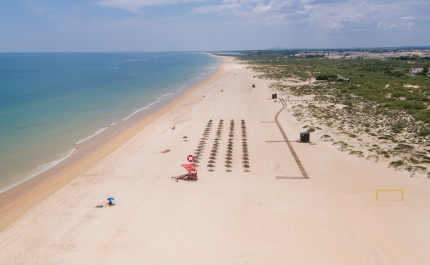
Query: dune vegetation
x=368, y=108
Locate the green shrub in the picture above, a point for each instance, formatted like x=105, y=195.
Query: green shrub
x=397, y=163
x=401, y=104
x=403, y=147
x=347, y=103
x=398, y=127
x=326, y=77
x=423, y=132
x=423, y=116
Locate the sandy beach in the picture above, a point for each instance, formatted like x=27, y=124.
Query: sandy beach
x=266, y=214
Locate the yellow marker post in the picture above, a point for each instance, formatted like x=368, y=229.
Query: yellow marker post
x=402, y=191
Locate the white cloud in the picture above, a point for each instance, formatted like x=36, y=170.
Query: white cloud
x=323, y=14
x=217, y=9
x=135, y=5
x=410, y=26
x=386, y=25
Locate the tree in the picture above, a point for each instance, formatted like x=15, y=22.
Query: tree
x=425, y=70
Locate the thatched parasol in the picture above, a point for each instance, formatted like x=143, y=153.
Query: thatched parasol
x=210, y=166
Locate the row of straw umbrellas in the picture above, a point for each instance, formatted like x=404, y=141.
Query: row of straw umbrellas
x=245, y=157
x=215, y=146
x=229, y=154
x=201, y=146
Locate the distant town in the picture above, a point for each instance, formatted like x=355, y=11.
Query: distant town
x=407, y=55
x=383, y=55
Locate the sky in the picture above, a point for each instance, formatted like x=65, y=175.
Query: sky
x=209, y=25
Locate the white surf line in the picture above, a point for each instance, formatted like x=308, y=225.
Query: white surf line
x=38, y=170
x=141, y=109
x=113, y=123
x=165, y=95
x=95, y=133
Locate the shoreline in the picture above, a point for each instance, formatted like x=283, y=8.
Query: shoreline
x=20, y=198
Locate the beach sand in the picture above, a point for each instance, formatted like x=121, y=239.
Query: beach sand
x=267, y=214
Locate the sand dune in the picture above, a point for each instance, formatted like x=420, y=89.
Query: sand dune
x=264, y=215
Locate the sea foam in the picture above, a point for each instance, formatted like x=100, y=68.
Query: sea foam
x=95, y=133
x=38, y=170
x=165, y=95
x=141, y=109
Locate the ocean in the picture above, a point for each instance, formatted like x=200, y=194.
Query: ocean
x=54, y=104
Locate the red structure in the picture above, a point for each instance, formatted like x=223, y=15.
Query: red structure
x=192, y=171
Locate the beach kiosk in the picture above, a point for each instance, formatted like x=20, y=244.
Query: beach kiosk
x=253, y=85
x=274, y=96
x=304, y=137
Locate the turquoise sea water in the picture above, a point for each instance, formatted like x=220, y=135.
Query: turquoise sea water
x=54, y=104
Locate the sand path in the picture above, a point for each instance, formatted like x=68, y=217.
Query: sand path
x=235, y=217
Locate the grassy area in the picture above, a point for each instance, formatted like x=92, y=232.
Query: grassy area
x=375, y=100
x=386, y=83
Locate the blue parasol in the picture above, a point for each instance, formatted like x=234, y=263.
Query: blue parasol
x=110, y=199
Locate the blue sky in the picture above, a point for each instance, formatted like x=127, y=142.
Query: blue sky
x=185, y=25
